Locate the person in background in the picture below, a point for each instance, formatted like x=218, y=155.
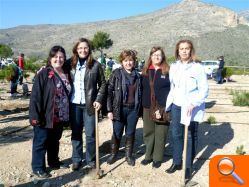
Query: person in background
x=219, y=76
x=89, y=90
x=123, y=105
x=14, y=79
x=154, y=134
x=103, y=60
x=21, y=66
x=49, y=111
x=110, y=64
x=186, y=101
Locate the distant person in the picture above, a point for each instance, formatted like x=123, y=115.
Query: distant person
x=49, y=111
x=21, y=61
x=219, y=76
x=141, y=65
x=123, y=105
x=103, y=60
x=110, y=63
x=186, y=101
x=21, y=66
x=14, y=79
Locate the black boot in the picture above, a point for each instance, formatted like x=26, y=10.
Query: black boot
x=129, y=143
x=173, y=168
x=114, y=150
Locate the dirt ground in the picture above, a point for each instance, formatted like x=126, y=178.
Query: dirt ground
x=223, y=137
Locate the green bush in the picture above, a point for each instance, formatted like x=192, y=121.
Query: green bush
x=240, y=98
x=211, y=120
x=31, y=66
x=227, y=72
x=7, y=72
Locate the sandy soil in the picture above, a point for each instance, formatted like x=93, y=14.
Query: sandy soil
x=230, y=131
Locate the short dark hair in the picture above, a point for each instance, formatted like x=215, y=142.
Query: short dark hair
x=55, y=49
x=220, y=57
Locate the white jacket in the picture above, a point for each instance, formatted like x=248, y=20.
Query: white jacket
x=195, y=92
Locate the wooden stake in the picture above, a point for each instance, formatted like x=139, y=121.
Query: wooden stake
x=184, y=157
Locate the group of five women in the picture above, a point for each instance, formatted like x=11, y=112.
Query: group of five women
x=71, y=91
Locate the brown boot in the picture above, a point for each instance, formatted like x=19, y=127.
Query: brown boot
x=129, y=143
x=114, y=150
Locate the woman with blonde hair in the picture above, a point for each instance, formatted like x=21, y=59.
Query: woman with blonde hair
x=156, y=87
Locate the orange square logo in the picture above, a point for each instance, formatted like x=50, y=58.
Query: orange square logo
x=229, y=171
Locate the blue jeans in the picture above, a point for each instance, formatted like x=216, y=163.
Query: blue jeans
x=219, y=77
x=45, y=140
x=178, y=138
x=13, y=87
x=128, y=121
x=80, y=119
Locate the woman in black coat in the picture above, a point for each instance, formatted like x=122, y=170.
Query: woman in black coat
x=123, y=105
x=49, y=111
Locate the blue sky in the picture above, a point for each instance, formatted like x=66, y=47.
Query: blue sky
x=32, y=12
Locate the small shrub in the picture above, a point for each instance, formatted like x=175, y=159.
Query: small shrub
x=7, y=72
x=227, y=72
x=240, y=98
x=211, y=120
x=240, y=150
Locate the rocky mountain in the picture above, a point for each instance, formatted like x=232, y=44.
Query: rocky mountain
x=244, y=14
x=215, y=31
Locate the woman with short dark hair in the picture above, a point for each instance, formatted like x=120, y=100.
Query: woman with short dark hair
x=123, y=105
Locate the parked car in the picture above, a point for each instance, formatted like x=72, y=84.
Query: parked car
x=210, y=67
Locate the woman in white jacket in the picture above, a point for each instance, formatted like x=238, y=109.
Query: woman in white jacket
x=186, y=101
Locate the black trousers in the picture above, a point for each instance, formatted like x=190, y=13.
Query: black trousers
x=45, y=140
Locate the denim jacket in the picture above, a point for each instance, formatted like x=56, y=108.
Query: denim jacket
x=195, y=92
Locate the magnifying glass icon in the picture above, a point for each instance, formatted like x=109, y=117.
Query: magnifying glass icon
x=226, y=167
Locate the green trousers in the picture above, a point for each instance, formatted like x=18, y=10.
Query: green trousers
x=154, y=135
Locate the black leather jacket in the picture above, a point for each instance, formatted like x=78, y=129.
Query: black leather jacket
x=94, y=84
x=114, y=96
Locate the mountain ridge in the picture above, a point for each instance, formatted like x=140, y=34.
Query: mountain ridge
x=186, y=19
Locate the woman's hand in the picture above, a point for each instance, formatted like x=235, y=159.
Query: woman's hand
x=190, y=109
x=158, y=115
x=110, y=115
x=96, y=105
